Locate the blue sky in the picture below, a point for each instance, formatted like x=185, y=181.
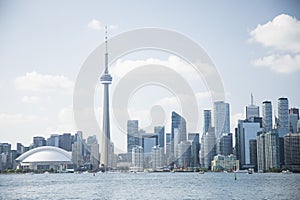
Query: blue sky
x=43, y=45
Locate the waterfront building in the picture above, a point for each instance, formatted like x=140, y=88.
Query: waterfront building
x=195, y=149
x=245, y=132
x=46, y=158
x=184, y=154
x=292, y=151
x=283, y=112
x=224, y=163
x=93, y=148
x=137, y=159
x=267, y=116
x=157, y=157
x=160, y=131
x=268, y=151
x=253, y=153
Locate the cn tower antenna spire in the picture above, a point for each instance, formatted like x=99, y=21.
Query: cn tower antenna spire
x=106, y=52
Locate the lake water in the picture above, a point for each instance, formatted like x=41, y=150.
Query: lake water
x=150, y=186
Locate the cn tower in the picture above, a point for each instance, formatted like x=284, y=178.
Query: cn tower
x=106, y=79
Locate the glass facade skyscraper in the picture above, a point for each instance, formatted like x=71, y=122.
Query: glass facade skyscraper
x=267, y=116
x=283, y=115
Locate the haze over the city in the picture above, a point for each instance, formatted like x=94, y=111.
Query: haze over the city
x=255, y=47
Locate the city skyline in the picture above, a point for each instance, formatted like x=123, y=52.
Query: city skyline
x=38, y=85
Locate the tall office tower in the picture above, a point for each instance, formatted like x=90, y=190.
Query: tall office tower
x=65, y=142
x=137, y=153
x=184, y=154
x=268, y=151
x=157, y=157
x=208, y=147
x=245, y=132
x=178, y=132
x=106, y=80
x=39, y=141
x=195, y=148
x=132, y=134
x=207, y=120
x=253, y=153
x=221, y=118
x=292, y=151
x=226, y=144
x=252, y=110
x=160, y=131
x=267, y=116
x=283, y=116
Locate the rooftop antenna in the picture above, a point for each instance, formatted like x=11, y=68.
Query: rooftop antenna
x=106, y=52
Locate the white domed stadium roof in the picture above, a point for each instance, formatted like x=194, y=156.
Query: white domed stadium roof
x=46, y=154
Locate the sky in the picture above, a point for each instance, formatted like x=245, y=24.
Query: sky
x=255, y=47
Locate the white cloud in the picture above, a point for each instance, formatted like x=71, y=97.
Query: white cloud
x=30, y=99
x=16, y=118
x=94, y=24
x=280, y=63
x=36, y=82
x=282, y=33
x=122, y=67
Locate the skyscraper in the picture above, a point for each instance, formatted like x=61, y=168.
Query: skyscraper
x=293, y=119
x=207, y=120
x=221, y=118
x=160, y=131
x=106, y=79
x=267, y=116
x=268, y=151
x=221, y=121
x=292, y=151
x=252, y=110
x=178, y=132
x=283, y=112
x=208, y=147
x=132, y=134
x=245, y=132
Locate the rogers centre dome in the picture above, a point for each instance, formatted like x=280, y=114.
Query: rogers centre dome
x=46, y=158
